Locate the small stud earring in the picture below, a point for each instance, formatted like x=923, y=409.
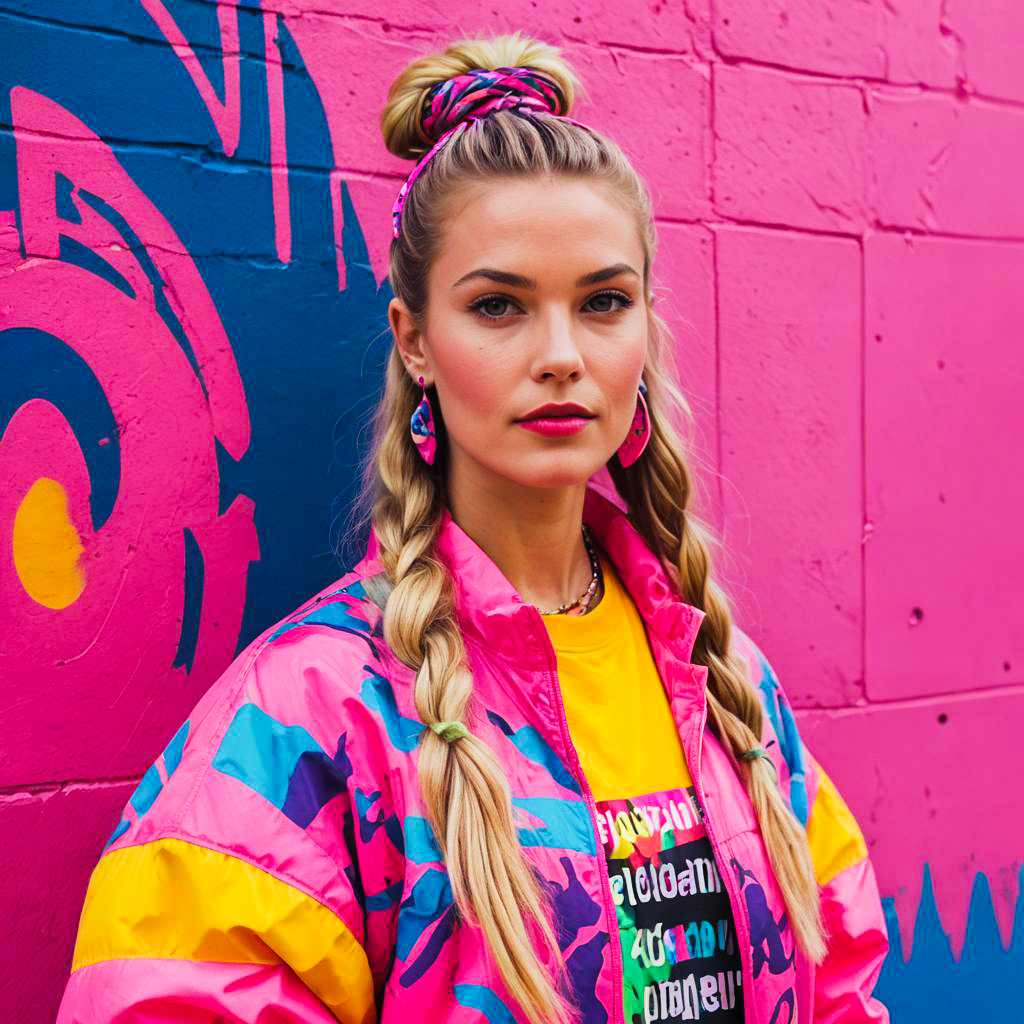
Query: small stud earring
x=639, y=431
x=421, y=426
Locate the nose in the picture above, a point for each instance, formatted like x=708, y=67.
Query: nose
x=557, y=353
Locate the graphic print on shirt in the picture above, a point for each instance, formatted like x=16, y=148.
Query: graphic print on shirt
x=679, y=955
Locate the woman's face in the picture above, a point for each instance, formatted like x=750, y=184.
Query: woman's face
x=536, y=299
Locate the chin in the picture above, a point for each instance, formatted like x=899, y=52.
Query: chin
x=553, y=470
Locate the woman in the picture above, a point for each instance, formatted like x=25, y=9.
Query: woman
x=518, y=764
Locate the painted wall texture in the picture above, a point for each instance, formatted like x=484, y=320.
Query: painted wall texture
x=193, y=232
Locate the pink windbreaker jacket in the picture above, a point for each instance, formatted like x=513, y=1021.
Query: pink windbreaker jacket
x=275, y=864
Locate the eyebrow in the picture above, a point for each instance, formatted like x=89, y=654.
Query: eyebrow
x=518, y=281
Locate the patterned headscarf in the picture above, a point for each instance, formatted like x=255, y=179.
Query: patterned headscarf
x=457, y=102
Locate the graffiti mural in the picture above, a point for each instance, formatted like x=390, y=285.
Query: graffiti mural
x=193, y=240
x=170, y=402
x=144, y=536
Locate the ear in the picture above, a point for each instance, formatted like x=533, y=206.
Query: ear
x=409, y=341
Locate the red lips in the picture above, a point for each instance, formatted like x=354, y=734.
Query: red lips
x=557, y=419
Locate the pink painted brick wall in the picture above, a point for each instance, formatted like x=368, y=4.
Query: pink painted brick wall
x=841, y=250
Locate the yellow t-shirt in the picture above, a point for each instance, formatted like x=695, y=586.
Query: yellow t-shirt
x=676, y=926
x=618, y=713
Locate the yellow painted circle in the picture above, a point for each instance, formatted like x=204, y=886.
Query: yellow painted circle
x=47, y=547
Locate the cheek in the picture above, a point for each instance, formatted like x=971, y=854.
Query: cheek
x=468, y=380
x=621, y=369
x=476, y=380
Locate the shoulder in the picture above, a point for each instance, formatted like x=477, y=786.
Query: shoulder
x=272, y=742
x=325, y=648
x=298, y=683
x=780, y=732
x=759, y=672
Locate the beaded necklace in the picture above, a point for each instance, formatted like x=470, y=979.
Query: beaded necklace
x=583, y=602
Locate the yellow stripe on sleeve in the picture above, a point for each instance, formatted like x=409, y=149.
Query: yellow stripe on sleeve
x=834, y=836
x=174, y=899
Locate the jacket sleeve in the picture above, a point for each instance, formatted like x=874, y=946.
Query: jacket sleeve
x=852, y=910
x=857, y=940
x=213, y=903
x=172, y=931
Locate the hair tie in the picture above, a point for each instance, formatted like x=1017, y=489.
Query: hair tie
x=754, y=753
x=449, y=731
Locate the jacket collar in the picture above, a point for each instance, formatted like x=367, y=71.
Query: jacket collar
x=491, y=610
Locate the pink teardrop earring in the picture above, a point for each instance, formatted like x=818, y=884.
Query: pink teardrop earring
x=421, y=426
x=639, y=430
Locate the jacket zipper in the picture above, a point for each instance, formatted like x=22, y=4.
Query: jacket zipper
x=611, y=915
x=726, y=875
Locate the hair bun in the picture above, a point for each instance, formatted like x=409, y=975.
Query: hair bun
x=485, y=74
x=481, y=91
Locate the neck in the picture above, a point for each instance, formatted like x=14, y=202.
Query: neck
x=533, y=535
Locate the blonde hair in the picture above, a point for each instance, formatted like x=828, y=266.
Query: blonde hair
x=464, y=788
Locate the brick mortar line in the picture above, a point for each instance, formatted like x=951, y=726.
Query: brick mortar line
x=262, y=261
x=922, y=89
x=931, y=700
x=205, y=156
x=876, y=227
x=638, y=48
x=18, y=791
x=158, y=40
x=722, y=222
x=269, y=258
x=386, y=24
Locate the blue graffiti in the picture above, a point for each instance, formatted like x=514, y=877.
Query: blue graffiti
x=311, y=356
x=983, y=985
